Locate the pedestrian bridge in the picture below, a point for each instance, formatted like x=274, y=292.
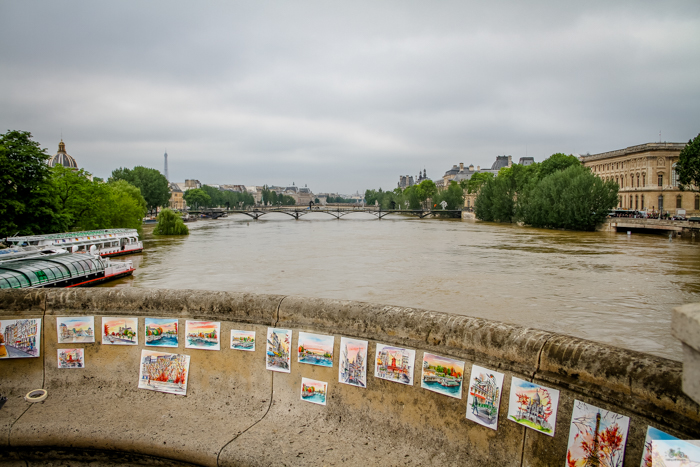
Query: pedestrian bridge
x=238, y=413
x=336, y=212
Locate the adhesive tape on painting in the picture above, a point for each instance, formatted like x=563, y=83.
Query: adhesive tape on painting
x=37, y=395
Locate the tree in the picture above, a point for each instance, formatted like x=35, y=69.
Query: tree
x=153, y=185
x=170, y=223
x=197, y=198
x=425, y=190
x=126, y=207
x=556, y=163
x=688, y=166
x=82, y=203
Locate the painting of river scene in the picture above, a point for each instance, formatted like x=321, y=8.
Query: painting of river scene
x=71, y=358
x=20, y=338
x=664, y=450
x=596, y=437
x=533, y=405
x=164, y=372
x=243, y=340
x=394, y=364
x=204, y=335
x=120, y=331
x=484, y=398
x=442, y=375
x=313, y=391
x=315, y=349
x=278, y=355
x=353, y=362
x=74, y=329
x=161, y=332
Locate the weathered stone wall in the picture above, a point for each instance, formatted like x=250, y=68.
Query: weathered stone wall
x=238, y=413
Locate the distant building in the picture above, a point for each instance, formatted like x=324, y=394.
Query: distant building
x=407, y=180
x=63, y=158
x=525, y=161
x=177, y=202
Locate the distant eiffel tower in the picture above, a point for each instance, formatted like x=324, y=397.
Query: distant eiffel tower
x=593, y=460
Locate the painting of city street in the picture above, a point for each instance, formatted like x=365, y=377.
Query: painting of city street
x=164, y=372
x=71, y=358
x=72, y=329
x=533, y=405
x=664, y=450
x=204, y=335
x=20, y=338
x=313, y=391
x=442, y=375
x=243, y=340
x=278, y=351
x=484, y=398
x=596, y=437
x=161, y=332
x=120, y=331
x=394, y=364
x=353, y=362
x=315, y=349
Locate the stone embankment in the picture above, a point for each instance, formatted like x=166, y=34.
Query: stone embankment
x=237, y=413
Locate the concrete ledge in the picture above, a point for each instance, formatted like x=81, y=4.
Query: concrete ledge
x=238, y=413
x=685, y=325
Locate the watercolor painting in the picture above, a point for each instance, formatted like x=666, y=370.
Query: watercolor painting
x=72, y=329
x=353, y=362
x=596, y=437
x=161, y=332
x=442, y=375
x=313, y=391
x=71, y=358
x=204, y=335
x=20, y=338
x=484, y=398
x=315, y=349
x=243, y=340
x=120, y=331
x=664, y=450
x=533, y=405
x=164, y=372
x=279, y=345
x=394, y=364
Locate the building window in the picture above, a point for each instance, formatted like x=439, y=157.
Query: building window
x=636, y=202
x=644, y=179
x=637, y=180
x=674, y=176
x=661, y=203
x=679, y=201
x=661, y=179
x=697, y=202
x=642, y=196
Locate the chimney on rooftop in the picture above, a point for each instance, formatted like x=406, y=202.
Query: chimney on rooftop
x=461, y=166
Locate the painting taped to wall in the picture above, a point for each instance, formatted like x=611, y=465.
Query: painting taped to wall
x=71, y=358
x=662, y=449
x=161, y=332
x=20, y=338
x=484, y=398
x=442, y=375
x=596, y=437
x=394, y=364
x=203, y=335
x=243, y=340
x=120, y=331
x=75, y=329
x=353, y=362
x=315, y=349
x=533, y=405
x=164, y=372
x=313, y=391
x=278, y=351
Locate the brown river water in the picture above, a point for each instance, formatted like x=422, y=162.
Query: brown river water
x=607, y=287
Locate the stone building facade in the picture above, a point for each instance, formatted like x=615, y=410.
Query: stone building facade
x=647, y=178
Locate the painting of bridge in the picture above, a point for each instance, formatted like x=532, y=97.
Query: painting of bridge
x=315, y=349
x=20, y=338
x=484, y=398
x=120, y=331
x=353, y=362
x=278, y=351
x=164, y=372
x=442, y=375
x=313, y=391
x=71, y=358
x=662, y=449
x=243, y=340
x=203, y=335
x=596, y=437
x=394, y=364
x=533, y=406
x=161, y=332
x=73, y=329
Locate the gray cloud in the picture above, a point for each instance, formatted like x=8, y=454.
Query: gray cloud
x=344, y=96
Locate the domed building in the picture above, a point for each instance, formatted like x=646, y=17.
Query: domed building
x=63, y=158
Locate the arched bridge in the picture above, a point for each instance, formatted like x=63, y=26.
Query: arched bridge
x=298, y=212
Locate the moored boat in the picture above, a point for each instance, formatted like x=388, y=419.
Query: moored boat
x=105, y=242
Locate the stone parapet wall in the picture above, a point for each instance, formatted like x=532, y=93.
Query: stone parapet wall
x=238, y=413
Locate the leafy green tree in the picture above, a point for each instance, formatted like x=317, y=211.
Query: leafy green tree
x=495, y=201
x=453, y=196
x=26, y=204
x=424, y=191
x=475, y=182
x=555, y=163
x=170, y=223
x=84, y=204
x=688, y=166
x=197, y=198
x=126, y=207
x=153, y=185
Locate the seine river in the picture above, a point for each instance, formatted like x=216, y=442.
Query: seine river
x=607, y=287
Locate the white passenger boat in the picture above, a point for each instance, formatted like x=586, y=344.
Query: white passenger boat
x=107, y=242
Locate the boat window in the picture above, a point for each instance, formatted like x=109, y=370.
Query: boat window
x=4, y=284
x=87, y=267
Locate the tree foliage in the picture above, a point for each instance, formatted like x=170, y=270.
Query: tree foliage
x=453, y=197
x=169, y=223
x=273, y=198
x=197, y=198
x=227, y=199
x=688, y=166
x=153, y=185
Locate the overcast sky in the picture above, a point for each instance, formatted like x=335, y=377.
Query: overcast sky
x=345, y=96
